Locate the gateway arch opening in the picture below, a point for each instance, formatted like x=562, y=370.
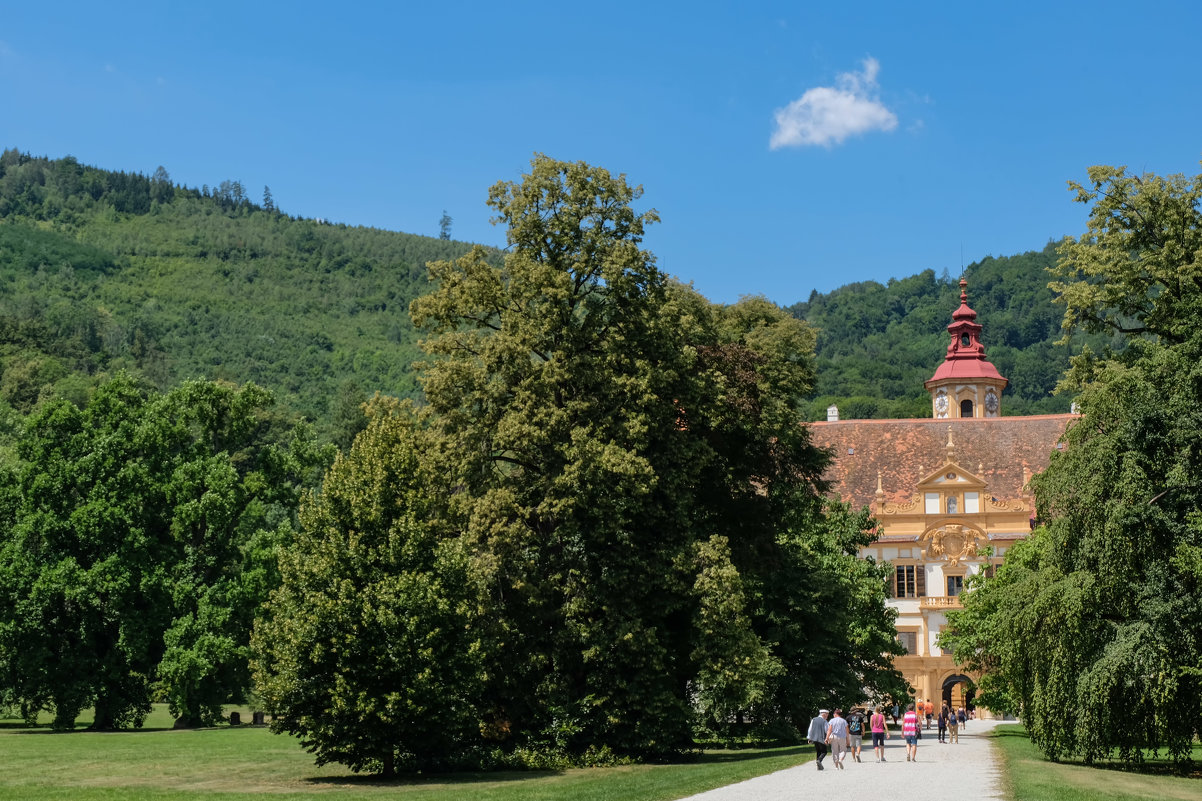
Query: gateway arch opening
x=959, y=691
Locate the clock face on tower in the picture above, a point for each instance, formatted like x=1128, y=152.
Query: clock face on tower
x=991, y=402
x=941, y=405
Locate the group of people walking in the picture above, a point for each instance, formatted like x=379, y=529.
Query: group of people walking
x=840, y=736
x=949, y=722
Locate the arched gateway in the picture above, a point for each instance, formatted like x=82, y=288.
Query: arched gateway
x=959, y=691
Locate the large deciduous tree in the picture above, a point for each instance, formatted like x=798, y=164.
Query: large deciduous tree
x=1092, y=630
x=553, y=383
x=604, y=532
x=135, y=553
x=367, y=650
x=641, y=504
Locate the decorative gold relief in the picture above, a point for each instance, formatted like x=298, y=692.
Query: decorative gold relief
x=952, y=542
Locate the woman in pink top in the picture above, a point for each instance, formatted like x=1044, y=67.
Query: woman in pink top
x=910, y=732
x=879, y=732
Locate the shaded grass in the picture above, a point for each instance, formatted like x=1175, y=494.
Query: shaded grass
x=235, y=763
x=1029, y=776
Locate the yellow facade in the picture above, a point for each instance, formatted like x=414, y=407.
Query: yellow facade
x=950, y=529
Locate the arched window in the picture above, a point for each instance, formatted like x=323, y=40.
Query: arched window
x=966, y=408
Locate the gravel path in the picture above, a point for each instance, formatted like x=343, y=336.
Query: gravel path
x=969, y=768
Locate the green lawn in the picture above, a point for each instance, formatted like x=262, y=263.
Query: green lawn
x=243, y=763
x=1031, y=777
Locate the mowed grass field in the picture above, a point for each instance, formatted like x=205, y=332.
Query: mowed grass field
x=231, y=763
x=1028, y=776
x=234, y=763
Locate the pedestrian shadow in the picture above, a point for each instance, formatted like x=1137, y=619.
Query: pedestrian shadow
x=727, y=756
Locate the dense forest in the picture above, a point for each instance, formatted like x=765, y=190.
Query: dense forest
x=107, y=270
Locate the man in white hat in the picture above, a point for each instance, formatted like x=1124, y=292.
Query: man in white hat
x=817, y=735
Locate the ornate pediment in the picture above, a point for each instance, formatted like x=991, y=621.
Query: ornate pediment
x=950, y=475
x=953, y=542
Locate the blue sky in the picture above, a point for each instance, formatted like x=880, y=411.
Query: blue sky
x=787, y=146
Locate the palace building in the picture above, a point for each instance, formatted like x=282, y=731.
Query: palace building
x=949, y=494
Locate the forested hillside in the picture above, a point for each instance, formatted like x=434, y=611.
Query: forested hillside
x=105, y=270
x=878, y=343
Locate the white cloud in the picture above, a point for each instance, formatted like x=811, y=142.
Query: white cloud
x=828, y=115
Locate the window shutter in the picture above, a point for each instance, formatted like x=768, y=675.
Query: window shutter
x=921, y=580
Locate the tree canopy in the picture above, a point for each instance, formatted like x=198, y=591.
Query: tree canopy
x=140, y=541
x=618, y=463
x=1092, y=628
x=106, y=271
x=368, y=648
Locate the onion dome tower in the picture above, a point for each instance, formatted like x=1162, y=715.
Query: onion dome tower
x=966, y=384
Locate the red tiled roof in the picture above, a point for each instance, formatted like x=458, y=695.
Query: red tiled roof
x=966, y=369
x=906, y=451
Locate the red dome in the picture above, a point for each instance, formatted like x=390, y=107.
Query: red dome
x=965, y=360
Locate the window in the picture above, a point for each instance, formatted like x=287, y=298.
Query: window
x=955, y=585
x=932, y=503
x=909, y=581
x=972, y=503
x=909, y=641
x=951, y=505
x=966, y=408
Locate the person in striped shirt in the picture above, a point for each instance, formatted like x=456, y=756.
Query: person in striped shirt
x=910, y=726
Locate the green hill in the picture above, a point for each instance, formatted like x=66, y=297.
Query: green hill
x=104, y=271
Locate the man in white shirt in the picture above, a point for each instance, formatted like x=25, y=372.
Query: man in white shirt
x=837, y=738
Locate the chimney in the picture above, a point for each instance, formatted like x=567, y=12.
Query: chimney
x=832, y=414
